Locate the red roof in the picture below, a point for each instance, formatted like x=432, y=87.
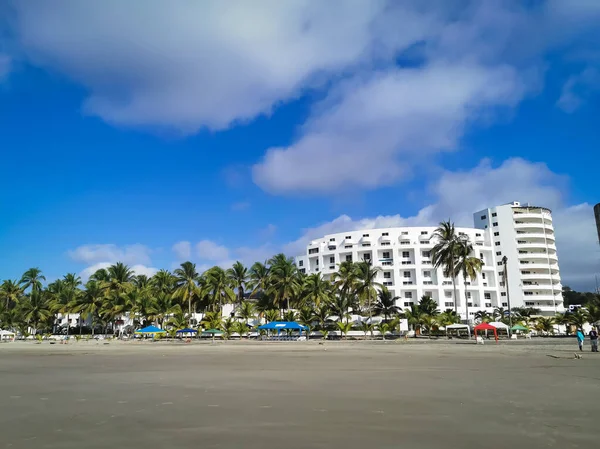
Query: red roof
x=484, y=327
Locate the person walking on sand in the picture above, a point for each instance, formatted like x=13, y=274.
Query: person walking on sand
x=580, y=338
x=594, y=339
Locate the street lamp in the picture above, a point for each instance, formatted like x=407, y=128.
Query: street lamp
x=505, y=275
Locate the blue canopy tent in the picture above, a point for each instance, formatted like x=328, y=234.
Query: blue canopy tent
x=150, y=330
x=187, y=330
x=283, y=325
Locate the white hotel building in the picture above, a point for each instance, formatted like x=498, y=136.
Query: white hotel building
x=521, y=233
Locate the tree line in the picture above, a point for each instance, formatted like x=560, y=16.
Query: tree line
x=268, y=291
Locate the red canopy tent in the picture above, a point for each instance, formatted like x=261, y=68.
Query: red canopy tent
x=485, y=327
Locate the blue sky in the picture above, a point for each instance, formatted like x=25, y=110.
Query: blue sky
x=235, y=133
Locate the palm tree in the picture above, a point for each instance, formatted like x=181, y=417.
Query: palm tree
x=36, y=310
x=444, y=253
x=384, y=328
x=366, y=327
x=272, y=315
x=238, y=277
x=448, y=317
x=316, y=290
x=544, y=324
x=340, y=306
x=366, y=276
x=241, y=328
x=246, y=311
x=285, y=281
x=64, y=294
x=187, y=284
x=481, y=316
x=344, y=328
x=429, y=323
x=414, y=316
x=306, y=317
x=321, y=316
x=468, y=265
x=229, y=326
x=219, y=287
x=345, y=279
x=32, y=278
x=164, y=306
x=563, y=319
x=90, y=302
x=386, y=304
x=164, y=282
x=579, y=317
x=259, y=278
x=428, y=306
x=10, y=292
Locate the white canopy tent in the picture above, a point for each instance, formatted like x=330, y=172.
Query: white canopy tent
x=7, y=335
x=500, y=326
x=458, y=328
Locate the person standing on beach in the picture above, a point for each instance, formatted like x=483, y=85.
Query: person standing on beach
x=594, y=339
x=580, y=338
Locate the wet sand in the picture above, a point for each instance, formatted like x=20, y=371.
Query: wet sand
x=298, y=395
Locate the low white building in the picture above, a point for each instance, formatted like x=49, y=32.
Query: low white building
x=404, y=256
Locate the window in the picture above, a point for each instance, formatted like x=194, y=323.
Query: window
x=483, y=217
x=449, y=304
x=385, y=243
x=407, y=274
x=496, y=234
x=386, y=254
x=477, y=235
x=471, y=305
x=332, y=240
x=365, y=235
x=407, y=304
x=424, y=232
x=405, y=254
x=300, y=263
x=404, y=233
x=503, y=294
x=408, y=295
x=348, y=246
x=332, y=259
x=504, y=304
x=485, y=227
x=313, y=251
x=349, y=258
x=367, y=256
x=498, y=253
x=426, y=274
x=427, y=254
x=429, y=294
x=385, y=234
x=366, y=244
x=494, y=214
x=348, y=237
x=497, y=243
x=317, y=262
x=387, y=275
x=495, y=223
x=482, y=275
x=487, y=295
x=529, y=303
x=469, y=295
x=499, y=264
x=302, y=270
x=448, y=294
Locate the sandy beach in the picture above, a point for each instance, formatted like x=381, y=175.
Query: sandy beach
x=298, y=395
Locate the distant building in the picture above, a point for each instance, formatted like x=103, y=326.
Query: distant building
x=523, y=233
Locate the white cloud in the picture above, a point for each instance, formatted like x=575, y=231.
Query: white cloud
x=215, y=63
x=95, y=253
x=372, y=131
x=182, y=250
x=137, y=269
x=209, y=250
x=459, y=194
x=577, y=88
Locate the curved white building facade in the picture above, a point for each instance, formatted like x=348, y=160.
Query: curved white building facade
x=403, y=256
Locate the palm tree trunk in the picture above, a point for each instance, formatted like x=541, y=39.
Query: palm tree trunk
x=467, y=307
x=455, y=296
x=93, y=326
x=80, y=326
x=68, y=325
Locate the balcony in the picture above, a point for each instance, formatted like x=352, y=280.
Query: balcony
x=536, y=276
x=386, y=262
x=385, y=239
